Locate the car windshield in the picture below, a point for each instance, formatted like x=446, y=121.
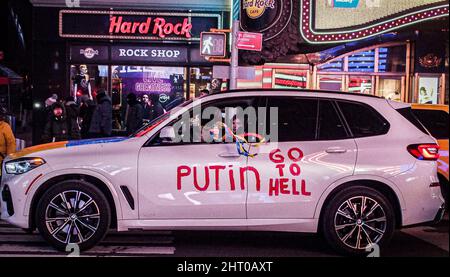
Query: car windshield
x=155, y=122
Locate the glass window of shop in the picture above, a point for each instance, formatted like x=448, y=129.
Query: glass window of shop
x=428, y=90
x=153, y=86
x=392, y=59
x=289, y=79
x=390, y=87
x=377, y=71
x=87, y=80
x=199, y=79
x=330, y=82
x=363, y=61
x=336, y=65
x=360, y=84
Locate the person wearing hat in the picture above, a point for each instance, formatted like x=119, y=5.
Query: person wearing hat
x=58, y=127
x=7, y=139
x=72, y=112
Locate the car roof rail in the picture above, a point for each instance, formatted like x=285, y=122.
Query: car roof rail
x=296, y=90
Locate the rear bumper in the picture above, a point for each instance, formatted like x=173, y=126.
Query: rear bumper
x=439, y=215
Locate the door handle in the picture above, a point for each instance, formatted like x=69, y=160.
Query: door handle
x=229, y=155
x=333, y=150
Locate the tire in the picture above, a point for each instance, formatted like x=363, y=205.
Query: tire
x=53, y=217
x=351, y=225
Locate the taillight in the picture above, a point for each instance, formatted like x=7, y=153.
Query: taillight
x=427, y=152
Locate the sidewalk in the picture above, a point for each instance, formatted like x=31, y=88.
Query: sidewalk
x=437, y=235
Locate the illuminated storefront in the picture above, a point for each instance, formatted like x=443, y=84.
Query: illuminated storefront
x=141, y=48
x=381, y=48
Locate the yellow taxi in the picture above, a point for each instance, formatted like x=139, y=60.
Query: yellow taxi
x=435, y=119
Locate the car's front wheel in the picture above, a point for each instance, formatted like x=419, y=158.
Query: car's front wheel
x=73, y=212
x=358, y=220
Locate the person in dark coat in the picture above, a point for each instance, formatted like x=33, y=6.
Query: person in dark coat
x=147, y=106
x=72, y=112
x=135, y=114
x=87, y=110
x=57, y=127
x=157, y=108
x=101, y=122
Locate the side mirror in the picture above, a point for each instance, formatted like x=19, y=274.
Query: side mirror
x=167, y=133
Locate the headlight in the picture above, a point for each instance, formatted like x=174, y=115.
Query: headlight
x=23, y=165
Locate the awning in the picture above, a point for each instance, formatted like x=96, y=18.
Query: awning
x=9, y=77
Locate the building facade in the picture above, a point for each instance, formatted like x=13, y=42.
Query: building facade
x=140, y=48
x=392, y=49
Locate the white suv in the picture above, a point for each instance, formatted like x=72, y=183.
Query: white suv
x=351, y=167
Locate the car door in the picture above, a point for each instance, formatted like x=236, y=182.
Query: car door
x=193, y=179
x=313, y=150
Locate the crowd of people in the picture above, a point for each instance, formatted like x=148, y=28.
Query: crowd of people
x=88, y=118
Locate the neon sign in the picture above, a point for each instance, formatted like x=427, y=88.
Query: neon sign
x=320, y=23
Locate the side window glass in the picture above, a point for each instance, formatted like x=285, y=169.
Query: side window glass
x=297, y=118
x=217, y=122
x=363, y=120
x=330, y=125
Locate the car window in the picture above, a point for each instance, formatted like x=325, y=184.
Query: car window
x=215, y=122
x=330, y=125
x=146, y=128
x=411, y=117
x=297, y=118
x=435, y=121
x=363, y=120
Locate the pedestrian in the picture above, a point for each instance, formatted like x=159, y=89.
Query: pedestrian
x=87, y=109
x=135, y=114
x=72, y=112
x=157, y=108
x=147, y=106
x=7, y=139
x=51, y=100
x=27, y=107
x=58, y=127
x=101, y=122
x=204, y=92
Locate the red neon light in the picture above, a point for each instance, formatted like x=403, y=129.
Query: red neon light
x=156, y=26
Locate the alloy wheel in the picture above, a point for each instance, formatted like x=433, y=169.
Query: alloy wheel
x=72, y=216
x=360, y=222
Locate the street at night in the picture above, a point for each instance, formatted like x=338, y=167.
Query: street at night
x=424, y=241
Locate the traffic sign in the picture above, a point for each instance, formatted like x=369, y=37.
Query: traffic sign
x=249, y=41
x=213, y=44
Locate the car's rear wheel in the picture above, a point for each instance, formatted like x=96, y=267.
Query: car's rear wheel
x=358, y=220
x=73, y=212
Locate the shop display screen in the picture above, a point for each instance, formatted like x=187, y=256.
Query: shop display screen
x=166, y=82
